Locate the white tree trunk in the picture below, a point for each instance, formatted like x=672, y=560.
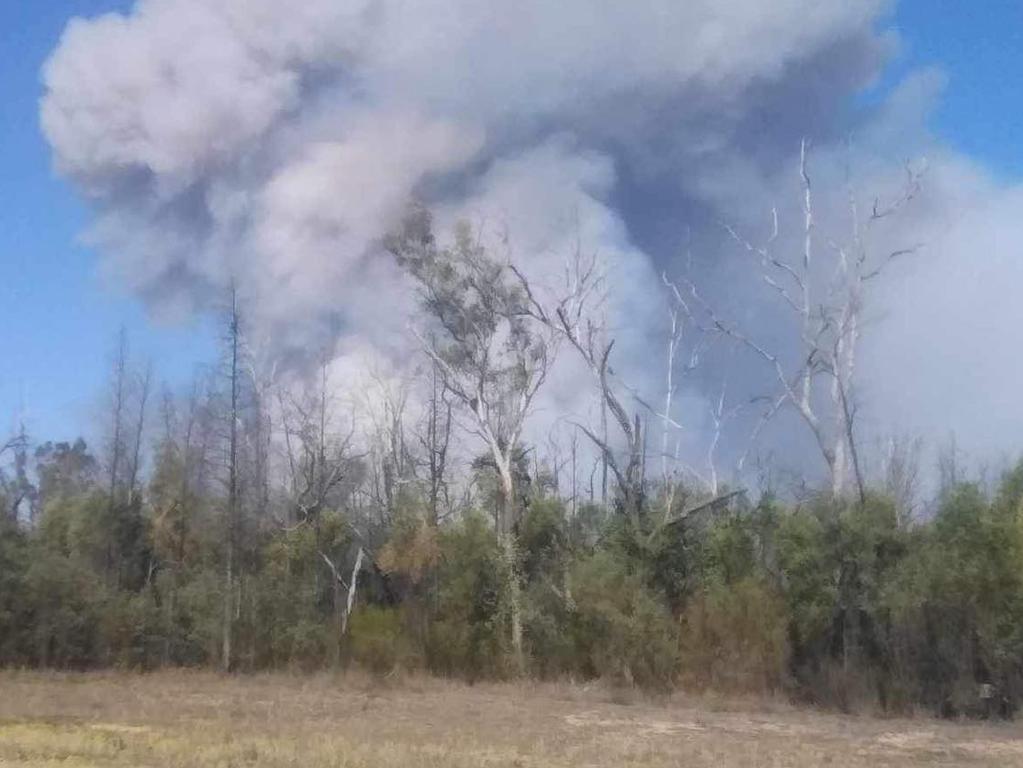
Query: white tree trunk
x=352, y=586
x=514, y=596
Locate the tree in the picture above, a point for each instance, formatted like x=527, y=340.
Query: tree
x=15, y=486
x=490, y=354
x=127, y=403
x=827, y=300
x=573, y=317
x=321, y=463
x=435, y=439
x=179, y=494
x=116, y=446
x=64, y=470
x=233, y=363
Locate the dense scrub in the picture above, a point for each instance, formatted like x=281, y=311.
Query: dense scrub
x=831, y=602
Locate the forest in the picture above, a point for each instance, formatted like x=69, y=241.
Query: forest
x=285, y=516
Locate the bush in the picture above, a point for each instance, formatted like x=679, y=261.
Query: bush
x=468, y=635
x=957, y=603
x=377, y=640
x=734, y=638
x=197, y=618
x=66, y=608
x=15, y=625
x=132, y=631
x=623, y=630
x=547, y=627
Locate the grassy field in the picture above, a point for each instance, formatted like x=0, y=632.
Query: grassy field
x=199, y=719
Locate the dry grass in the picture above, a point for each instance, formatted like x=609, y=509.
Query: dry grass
x=203, y=720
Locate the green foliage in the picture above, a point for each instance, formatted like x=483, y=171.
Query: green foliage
x=623, y=630
x=734, y=638
x=735, y=625
x=832, y=600
x=15, y=608
x=466, y=637
x=378, y=640
x=958, y=600
x=194, y=606
x=837, y=561
x=543, y=540
x=65, y=613
x=291, y=598
x=133, y=630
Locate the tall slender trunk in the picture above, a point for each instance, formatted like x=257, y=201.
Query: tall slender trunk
x=120, y=373
x=343, y=605
x=339, y=623
x=603, y=455
x=232, y=490
x=353, y=585
x=513, y=588
x=228, y=606
x=509, y=565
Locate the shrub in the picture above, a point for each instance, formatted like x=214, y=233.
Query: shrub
x=468, y=635
x=15, y=626
x=132, y=631
x=547, y=626
x=377, y=641
x=623, y=630
x=65, y=603
x=734, y=638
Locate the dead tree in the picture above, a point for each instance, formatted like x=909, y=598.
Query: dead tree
x=179, y=485
x=687, y=343
x=320, y=461
x=231, y=402
x=572, y=316
x=262, y=377
x=392, y=464
x=234, y=376
x=15, y=487
x=119, y=386
x=825, y=292
x=144, y=383
x=435, y=439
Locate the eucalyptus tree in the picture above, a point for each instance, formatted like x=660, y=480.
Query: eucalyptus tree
x=490, y=354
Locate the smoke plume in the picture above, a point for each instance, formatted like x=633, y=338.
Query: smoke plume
x=273, y=144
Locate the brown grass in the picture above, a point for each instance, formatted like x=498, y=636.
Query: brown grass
x=203, y=720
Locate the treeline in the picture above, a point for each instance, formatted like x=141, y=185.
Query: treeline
x=412, y=520
x=834, y=603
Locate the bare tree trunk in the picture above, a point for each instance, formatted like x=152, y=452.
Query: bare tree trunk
x=232, y=486
x=339, y=622
x=603, y=454
x=118, y=404
x=140, y=428
x=352, y=586
x=506, y=495
x=513, y=588
x=575, y=476
x=507, y=550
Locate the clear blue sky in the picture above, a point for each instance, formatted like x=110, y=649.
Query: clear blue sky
x=59, y=320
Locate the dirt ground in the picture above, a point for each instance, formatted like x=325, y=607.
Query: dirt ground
x=204, y=720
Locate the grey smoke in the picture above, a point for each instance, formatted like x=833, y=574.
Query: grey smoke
x=275, y=143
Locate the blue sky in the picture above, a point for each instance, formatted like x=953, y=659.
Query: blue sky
x=979, y=45
x=60, y=319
